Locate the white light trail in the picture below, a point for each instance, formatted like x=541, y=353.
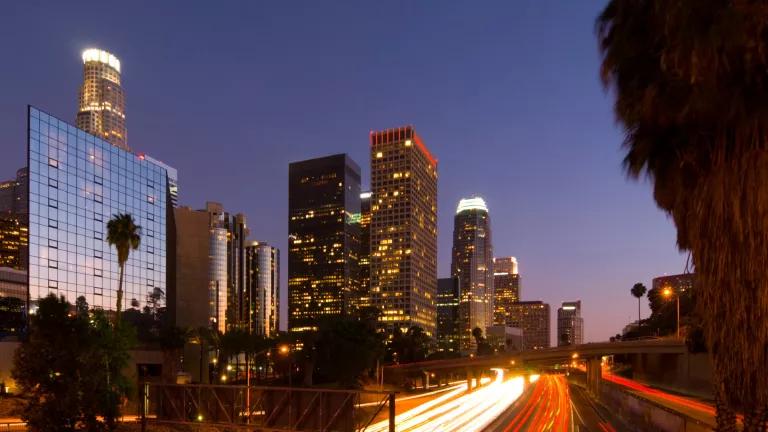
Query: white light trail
x=458, y=410
x=417, y=396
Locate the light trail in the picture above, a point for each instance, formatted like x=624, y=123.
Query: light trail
x=459, y=411
x=383, y=426
x=418, y=396
x=649, y=391
x=547, y=409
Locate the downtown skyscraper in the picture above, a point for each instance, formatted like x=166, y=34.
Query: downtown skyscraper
x=506, y=287
x=448, y=296
x=101, y=108
x=77, y=182
x=211, y=277
x=403, y=230
x=323, y=239
x=14, y=221
x=364, y=256
x=570, y=324
x=472, y=264
x=533, y=318
x=262, y=263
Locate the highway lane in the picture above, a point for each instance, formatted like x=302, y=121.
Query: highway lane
x=551, y=404
x=590, y=416
x=459, y=410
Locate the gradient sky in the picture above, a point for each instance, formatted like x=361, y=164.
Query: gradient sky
x=505, y=93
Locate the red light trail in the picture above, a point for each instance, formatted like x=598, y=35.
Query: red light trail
x=648, y=391
x=548, y=408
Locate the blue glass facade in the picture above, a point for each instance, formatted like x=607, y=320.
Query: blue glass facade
x=77, y=183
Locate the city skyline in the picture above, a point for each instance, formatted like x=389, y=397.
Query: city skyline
x=566, y=241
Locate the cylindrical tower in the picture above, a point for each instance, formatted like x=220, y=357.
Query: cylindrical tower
x=472, y=263
x=101, y=108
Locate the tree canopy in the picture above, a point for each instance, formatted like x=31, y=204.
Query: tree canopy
x=70, y=368
x=691, y=91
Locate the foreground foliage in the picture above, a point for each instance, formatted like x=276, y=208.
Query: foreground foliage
x=692, y=95
x=70, y=368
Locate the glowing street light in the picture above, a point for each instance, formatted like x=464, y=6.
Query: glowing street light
x=668, y=292
x=285, y=350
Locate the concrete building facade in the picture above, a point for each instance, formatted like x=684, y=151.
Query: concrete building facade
x=533, y=318
x=403, y=230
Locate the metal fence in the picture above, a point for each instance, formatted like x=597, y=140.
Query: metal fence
x=13, y=427
x=266, y=408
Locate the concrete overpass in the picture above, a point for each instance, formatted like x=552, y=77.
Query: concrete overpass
x=590, y=353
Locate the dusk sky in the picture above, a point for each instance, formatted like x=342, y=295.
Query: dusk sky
x=506, y=94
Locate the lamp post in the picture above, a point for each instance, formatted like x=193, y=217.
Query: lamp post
x=247, y=389
x=248, y=366
x=669, y=292
x=285, y=350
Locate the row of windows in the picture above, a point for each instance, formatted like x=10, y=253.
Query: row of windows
x=77, y=182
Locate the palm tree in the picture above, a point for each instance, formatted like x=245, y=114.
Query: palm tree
x=124, y=235
x=690, y=82
x=638, y=290
x=208, y=340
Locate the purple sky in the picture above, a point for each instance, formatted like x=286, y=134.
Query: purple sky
x=505, y=94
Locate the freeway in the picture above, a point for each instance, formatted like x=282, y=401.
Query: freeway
x=551, y=404
x=458, y=410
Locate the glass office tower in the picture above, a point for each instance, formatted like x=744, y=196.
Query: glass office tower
x=77, y=183
x=472, y=263
x=364, y=256
x=263, y=287
x=448, y=296
x=323, y=237
x=570, y=324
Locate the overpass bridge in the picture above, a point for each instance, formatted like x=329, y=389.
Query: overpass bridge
x=590, y=353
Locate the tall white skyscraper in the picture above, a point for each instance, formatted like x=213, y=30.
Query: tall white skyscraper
x=472, y=263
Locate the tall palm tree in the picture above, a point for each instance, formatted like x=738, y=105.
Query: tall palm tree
x=124, y=235
x=691, y=88
x=638, y=290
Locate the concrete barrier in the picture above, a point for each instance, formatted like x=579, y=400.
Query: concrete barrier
x=647, y=414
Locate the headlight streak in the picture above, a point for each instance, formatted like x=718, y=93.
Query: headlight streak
x=383, y=426
x=459, y=411
x=417, y=396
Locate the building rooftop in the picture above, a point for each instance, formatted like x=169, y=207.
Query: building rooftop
x=98, y=55
x=474, y=203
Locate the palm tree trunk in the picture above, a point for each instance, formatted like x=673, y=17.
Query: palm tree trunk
x=119, y=295
x=638, y=313
x=725, y=416
x=755, y=420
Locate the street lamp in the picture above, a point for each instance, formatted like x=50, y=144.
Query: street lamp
x=285, y=350
x=668, y=292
